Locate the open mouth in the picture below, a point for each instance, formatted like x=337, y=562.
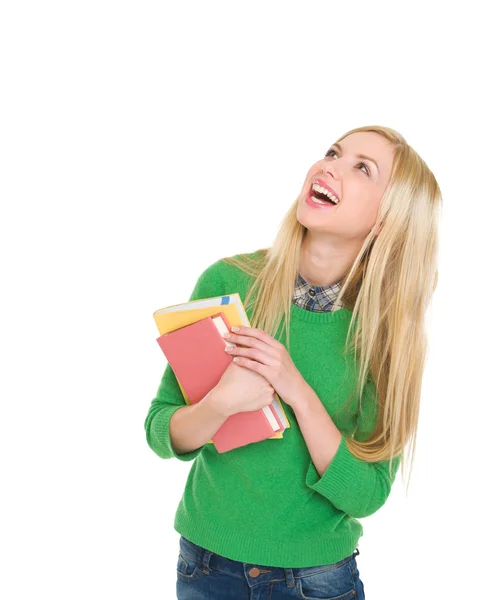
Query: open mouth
x=322, y=197
x=313, y=198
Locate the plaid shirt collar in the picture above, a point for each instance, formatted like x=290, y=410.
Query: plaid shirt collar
x=316, y=298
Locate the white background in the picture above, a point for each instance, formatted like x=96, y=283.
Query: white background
x=143, y=141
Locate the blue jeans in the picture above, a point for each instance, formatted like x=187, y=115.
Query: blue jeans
x=204, y=575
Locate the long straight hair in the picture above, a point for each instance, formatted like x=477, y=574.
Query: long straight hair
x=388, y=288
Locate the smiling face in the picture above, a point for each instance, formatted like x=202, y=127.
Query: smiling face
x=358, y=182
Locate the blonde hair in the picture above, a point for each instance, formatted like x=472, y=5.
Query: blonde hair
x=388, y=289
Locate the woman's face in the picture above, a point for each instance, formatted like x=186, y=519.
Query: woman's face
x=358, y=183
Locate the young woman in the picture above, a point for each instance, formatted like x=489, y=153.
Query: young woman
x=337, y=308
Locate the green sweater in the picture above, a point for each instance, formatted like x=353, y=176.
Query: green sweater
x=265, y=503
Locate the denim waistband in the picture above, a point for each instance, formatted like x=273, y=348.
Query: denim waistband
x=253, y=573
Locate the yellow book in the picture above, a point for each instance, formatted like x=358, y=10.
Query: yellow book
x=175, y=316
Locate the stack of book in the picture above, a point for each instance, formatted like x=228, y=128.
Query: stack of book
x=191, y=340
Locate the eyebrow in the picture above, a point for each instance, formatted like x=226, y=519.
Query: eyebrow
x=340, y=149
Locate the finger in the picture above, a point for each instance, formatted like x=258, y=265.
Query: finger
x=249, y=342
x=253, y=354
x=256, y=333
x=253, y=365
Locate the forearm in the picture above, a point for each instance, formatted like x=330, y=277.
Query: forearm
x=194, y=425
x=321, y=435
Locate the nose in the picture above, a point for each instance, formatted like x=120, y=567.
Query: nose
x=327, y=170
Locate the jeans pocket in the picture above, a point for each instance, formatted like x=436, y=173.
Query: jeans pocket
x=328, y=582
x=187, y=568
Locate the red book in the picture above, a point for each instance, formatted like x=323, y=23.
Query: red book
x=196, y=354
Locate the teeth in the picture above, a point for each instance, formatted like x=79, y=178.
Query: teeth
x=319, y=188
x=314, y=199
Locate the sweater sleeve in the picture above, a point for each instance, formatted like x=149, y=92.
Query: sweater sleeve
x=169, y=398
x=354, y=486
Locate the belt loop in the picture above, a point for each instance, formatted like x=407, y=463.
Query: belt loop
x=205, y=561
x=290, y=581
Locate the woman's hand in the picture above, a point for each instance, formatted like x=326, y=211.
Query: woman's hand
x=269, y=358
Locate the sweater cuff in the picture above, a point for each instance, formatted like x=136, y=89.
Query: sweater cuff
x=166, y=415
x=340, y=476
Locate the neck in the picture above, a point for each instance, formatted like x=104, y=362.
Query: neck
x=323, y=260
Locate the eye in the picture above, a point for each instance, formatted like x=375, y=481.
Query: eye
x=330, y=152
